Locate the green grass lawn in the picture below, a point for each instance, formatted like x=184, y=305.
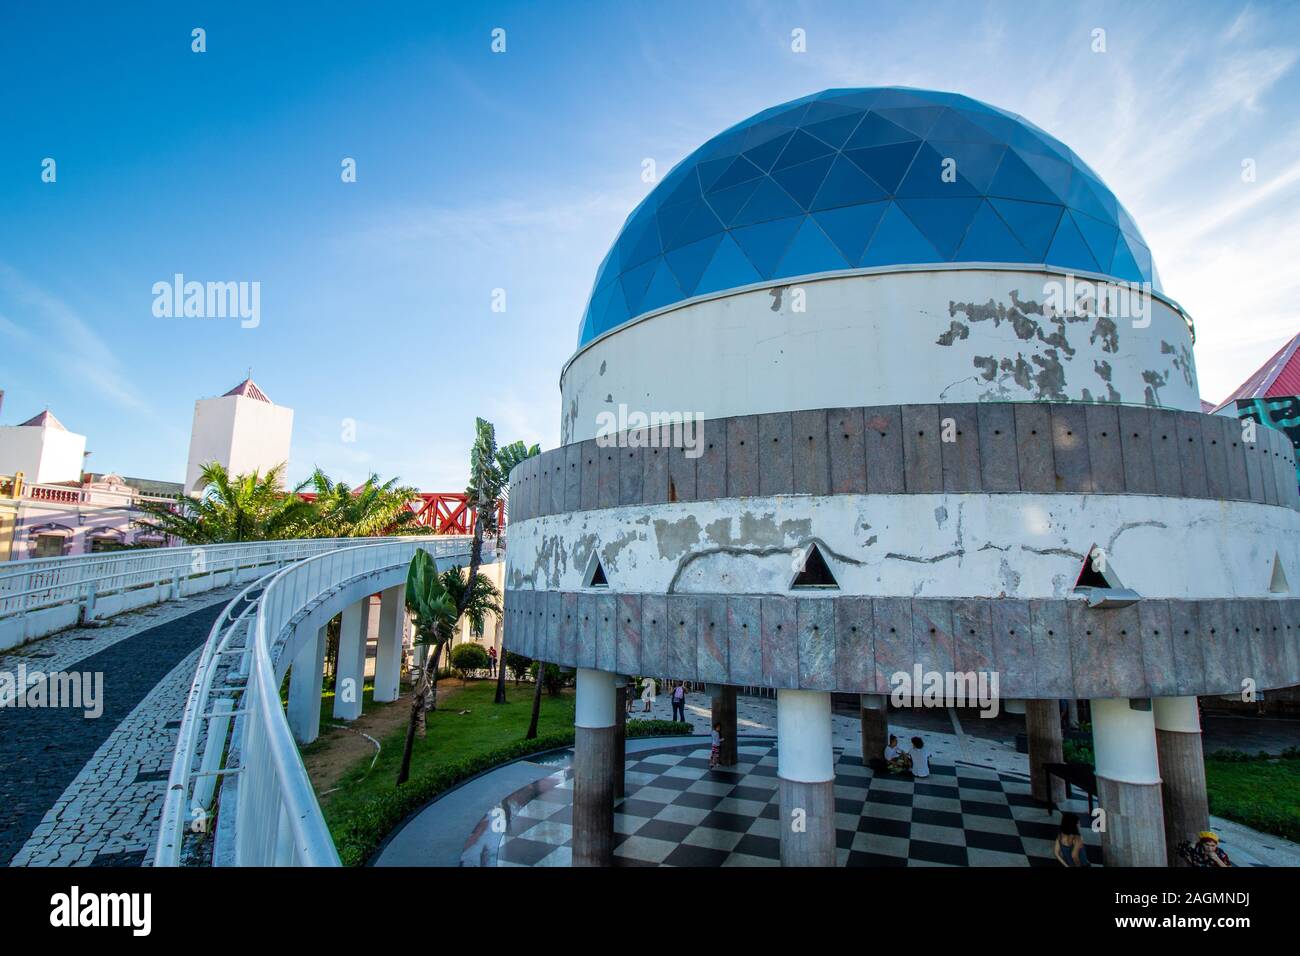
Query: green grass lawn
x=453, y=736
x=1261, y=792
x=466, y=734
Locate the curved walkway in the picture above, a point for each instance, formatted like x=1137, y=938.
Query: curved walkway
x=79, y=789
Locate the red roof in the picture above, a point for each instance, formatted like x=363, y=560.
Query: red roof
x=45, y=419
x=247, y=389
x=1279, y=376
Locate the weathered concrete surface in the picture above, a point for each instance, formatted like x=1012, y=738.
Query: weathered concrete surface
x=1044, y=649
x=1022, y=546
x=981, y=335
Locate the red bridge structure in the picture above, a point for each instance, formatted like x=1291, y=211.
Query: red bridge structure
x=442, y=512
x=448, y=512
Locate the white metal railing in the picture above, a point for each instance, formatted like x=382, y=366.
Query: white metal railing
x=276, y=819
x=33, y=585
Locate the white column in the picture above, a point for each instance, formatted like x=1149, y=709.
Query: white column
x=350, y=677
x=596, y=703
x=805, y=766
x=1124, y=741
x=1178, y=714
x=594, y=767
x=804, y=752
x=306, y=677
x=1128, y=783
x=388, y=656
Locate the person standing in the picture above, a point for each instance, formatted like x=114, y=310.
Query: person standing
x=648, y=694
x=492, y=661
x=679, y=701
x=715, y=748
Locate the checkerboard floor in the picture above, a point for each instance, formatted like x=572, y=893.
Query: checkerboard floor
x=677, y=812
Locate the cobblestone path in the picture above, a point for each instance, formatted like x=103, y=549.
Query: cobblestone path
x=78, y=790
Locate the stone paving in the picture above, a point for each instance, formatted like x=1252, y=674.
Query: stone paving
x=109, y=813
x=82, y=791
x=59, y=651
x=756, y=716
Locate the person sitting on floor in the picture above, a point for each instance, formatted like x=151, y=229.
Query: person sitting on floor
x=1206, y=852
x=919, y=759
x=887, y=763
x=896, y=757
x=1068, y=847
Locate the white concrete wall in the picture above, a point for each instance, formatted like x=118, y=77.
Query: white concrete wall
x=936, y=545
x=242, y=433
x=875, y=340
x=42, y=454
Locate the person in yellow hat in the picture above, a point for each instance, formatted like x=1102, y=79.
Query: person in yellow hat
x=1208, y=852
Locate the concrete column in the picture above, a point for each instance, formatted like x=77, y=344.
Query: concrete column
x=1182, y=771
x=620, y=738
x=806, y=770
x=388, y=654
x=724, y=713
x=1128, y=783
x=350, y=677
x=875, y=726
x=306, y=680
x=595, y=730
x=1043, y=728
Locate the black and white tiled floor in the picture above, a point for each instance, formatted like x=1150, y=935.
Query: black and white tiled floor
x=679, y=813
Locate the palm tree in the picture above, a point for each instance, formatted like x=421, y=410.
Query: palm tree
x=537, y=701
x=251, y=507
x=433, y=600
x=372, y=508
x=504, y=461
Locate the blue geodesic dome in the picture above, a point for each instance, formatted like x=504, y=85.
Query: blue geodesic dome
x=853, y=178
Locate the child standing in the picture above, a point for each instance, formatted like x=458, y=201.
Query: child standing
x=716, y=747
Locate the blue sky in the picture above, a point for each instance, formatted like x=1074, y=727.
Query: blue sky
x=478, y=171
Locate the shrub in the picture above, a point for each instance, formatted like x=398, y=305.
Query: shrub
x=468, y=658
x=358, y=832
x=1076, y=751
x=552, y=679
x=659, y=728
x=518, y=665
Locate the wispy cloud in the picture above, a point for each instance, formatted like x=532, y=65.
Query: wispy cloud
x=66, y=347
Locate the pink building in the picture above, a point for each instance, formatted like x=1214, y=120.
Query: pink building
x=49, y=508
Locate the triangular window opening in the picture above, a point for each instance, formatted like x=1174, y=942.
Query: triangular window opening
x=815, y=573
x=595, y=576
x=1278, y=583
x=1097, y=572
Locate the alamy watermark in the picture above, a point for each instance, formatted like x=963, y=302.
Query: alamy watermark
x=634, y=429
x=82, y=691
x=1084, y=298
x=209, y=300
x=922, y=688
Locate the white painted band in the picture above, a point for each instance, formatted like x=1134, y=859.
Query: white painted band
x=1124, y=740
x=882, y=339
x=803, y=736
x=597, y=700
x=1177, y=713
x=924, y=545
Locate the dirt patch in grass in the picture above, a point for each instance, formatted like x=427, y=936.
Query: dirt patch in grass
x=340, y=751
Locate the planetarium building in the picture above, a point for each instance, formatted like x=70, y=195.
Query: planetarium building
x=929, y=411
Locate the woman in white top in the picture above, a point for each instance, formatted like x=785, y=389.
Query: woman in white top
x=920, y=759
x=648, y=693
